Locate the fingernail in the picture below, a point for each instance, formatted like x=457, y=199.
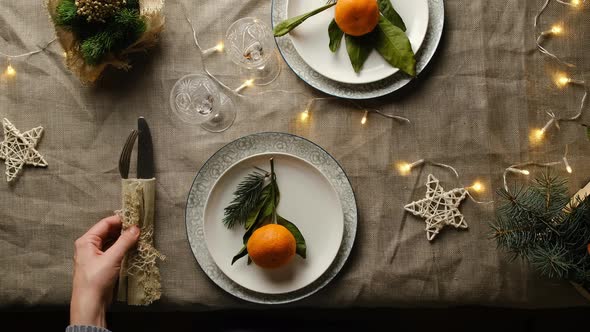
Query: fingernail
x=134, y=230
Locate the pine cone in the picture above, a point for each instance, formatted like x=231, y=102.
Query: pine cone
x=98, y=10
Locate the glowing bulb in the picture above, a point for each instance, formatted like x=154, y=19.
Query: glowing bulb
x=517, y=170
x=244, y=85
x=561, y=80
x=568, y=168
x=364, y=119
x=405, y=168
x=65, y=54
x=539, y=133
x=217, y=48
x=576, y=3
x=478, y=187
x=304, y=115
x=556, y=29
x=10, y=71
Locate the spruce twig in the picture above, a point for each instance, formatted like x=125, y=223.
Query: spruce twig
x=543, y=226
x=246, y=199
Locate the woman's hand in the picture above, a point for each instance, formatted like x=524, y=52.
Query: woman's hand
x=96, y=269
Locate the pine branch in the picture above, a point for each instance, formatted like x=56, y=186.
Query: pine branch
x=539, y=225
x=555, y=192
x=65, y=13
x=552, y=260
x=246, y=199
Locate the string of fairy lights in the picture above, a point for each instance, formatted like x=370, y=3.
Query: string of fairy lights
x=561, y=79
x=10, y=71
x=304, y=115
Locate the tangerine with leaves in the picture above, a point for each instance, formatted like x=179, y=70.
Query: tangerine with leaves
x=271, y=246
x=357, y=17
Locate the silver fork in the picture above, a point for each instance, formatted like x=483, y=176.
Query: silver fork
x=125, y=158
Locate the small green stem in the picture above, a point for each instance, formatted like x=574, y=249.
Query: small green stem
x=272, y=165
x=273, y=179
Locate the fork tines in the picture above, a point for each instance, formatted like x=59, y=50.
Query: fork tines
x=125, y=158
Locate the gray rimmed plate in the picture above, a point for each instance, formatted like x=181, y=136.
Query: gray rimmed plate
x=366, y=90
x=222, y=170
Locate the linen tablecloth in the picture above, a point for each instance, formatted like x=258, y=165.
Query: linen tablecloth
x=473, y=108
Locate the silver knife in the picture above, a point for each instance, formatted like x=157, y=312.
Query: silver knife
x=145, y=151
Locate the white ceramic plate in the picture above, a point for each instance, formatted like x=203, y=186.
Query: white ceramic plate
x=307, y=199
x=242, y=149
x=311, y=40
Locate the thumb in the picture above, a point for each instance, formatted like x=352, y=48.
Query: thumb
x=126, y=241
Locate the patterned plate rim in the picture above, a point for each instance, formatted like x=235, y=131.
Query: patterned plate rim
x=358, y=91
x=267, y=142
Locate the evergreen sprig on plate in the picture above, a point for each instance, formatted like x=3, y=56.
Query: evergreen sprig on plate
x=544, y=226
x=388, y=38
x=254, y=205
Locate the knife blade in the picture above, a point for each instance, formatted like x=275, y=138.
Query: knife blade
x=145, y=150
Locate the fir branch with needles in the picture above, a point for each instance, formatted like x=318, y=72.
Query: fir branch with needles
x=246, y=199
x=542, y=225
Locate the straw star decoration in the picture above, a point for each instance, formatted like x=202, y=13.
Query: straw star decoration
x=440, y=208
x=18, y=149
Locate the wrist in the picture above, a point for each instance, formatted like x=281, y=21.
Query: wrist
x=87, y=308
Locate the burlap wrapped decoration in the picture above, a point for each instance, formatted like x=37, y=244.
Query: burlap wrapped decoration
x=139, y=280
x=150, y=10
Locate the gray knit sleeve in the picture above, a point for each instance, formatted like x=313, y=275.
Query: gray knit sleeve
x=85, y=328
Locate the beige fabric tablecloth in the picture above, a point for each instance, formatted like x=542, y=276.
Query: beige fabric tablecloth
x=473, y=109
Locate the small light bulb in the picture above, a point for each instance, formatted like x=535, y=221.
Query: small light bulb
x=568, y=168
x=244, y=85
x=477, y=187
x=538, y=134
x=304, y=115
x=364, y=119
x=219, y=47
x=404, y=168
x=10, y=71
x=518, y=170
x=556, y=29
x=576, y=3
x=561, y=80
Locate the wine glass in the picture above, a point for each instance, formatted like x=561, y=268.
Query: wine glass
x=195, y=99
x=250, y=44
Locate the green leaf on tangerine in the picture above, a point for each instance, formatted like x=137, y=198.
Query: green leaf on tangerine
x=336, y=35
x=289, y=24
x=243, y=252
x=387, y=10
x=301, y=247
x=358, y=49
x=394, y=46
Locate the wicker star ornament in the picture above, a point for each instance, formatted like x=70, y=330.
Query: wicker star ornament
x=440, y=208
x=18, y=149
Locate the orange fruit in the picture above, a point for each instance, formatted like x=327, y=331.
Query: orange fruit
x=357, y=17
x=271, y=246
